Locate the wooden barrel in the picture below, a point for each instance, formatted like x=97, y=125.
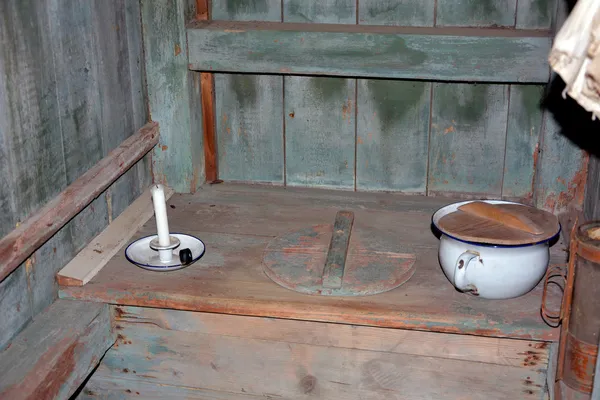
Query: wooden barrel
x=582, y=333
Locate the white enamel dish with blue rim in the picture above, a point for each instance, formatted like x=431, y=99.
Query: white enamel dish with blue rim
x=140, y=253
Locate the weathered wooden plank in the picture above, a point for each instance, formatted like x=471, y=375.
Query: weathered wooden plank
x=320, y=113
x=78, y=92
x=292, y=370
x=551, y=375
x=207, y=85
x=592, y=191
x=30, y=124
x=476, y=13
x=393, y=116
x=468, y=136
x=247, y=10
x=563, y=168
x=393, y=135
x=233, y=279
x=522, y=142
x=178, y=161
x=320, y=131
x=320, y=11
x=505, y=352
x=15, y=306
x=335, y=263
x=139, y=97
x=53, y=356
x=207, y=98
x=43, y=265
x=536, y=14
x=116, y=40
x=250, y=127
x=25, y=239
x=31, y=151
x=98, y=388
x=249, y=109
x=405, y=53
x=392, y=12
x=85, y=265
x=78, y=71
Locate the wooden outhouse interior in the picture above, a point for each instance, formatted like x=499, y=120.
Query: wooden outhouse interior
x=263, y=117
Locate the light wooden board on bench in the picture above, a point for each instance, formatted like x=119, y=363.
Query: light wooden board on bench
x=81, y=269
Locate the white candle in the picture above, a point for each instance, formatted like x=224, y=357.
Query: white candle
x=160, y=211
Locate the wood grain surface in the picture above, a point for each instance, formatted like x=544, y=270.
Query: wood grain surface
x=238, y=221
x=470, y=227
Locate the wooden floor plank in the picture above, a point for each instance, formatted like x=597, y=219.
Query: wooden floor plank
x=236, y=226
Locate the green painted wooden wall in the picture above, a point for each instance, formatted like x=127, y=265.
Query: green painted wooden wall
x=459, y=139
x=71, y=90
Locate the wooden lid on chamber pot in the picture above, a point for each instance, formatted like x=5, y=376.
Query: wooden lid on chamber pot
x=499, y=223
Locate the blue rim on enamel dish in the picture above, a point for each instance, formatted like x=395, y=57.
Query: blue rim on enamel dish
x=484, y=244
x=170, y=266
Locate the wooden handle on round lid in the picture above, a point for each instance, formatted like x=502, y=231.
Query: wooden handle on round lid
x=501, y=215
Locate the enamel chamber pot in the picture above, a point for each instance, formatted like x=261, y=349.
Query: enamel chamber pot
x=489, y=270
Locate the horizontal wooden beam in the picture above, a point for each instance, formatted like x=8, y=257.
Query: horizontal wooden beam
x=443, y=54
x=38, y=228
x=52, y=357
x=81, y=269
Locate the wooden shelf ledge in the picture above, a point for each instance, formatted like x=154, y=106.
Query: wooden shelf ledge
x=441, y=54
x=236, y=222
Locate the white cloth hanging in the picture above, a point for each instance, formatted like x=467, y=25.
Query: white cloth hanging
x=575, y=55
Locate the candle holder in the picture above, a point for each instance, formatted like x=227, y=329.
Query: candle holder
x=143, y=252
x=164, y=251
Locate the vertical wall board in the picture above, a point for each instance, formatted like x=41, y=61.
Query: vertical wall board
x=246, y=10
x=249, y=108
x=476, y=13
x=115, y=90
x=89, y=223
x=133, y=182
x=175, y=161
x=393, y=116
x=320, y=114
x=468, y=136
x=562, y=171
x=30, y=127
x=250, y=127
x=392, y=135
x=31, y=150
x=65, y=101
x=139, y=96
x=8, y=218
x=46, y=262
x=15, y=307
x=536, y=14
x=73, y=44
x=320, y=131
x=395, y=12
x=522, y=142
x=319, y=11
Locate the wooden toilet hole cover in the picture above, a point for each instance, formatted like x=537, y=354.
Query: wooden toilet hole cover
x=347, y=258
